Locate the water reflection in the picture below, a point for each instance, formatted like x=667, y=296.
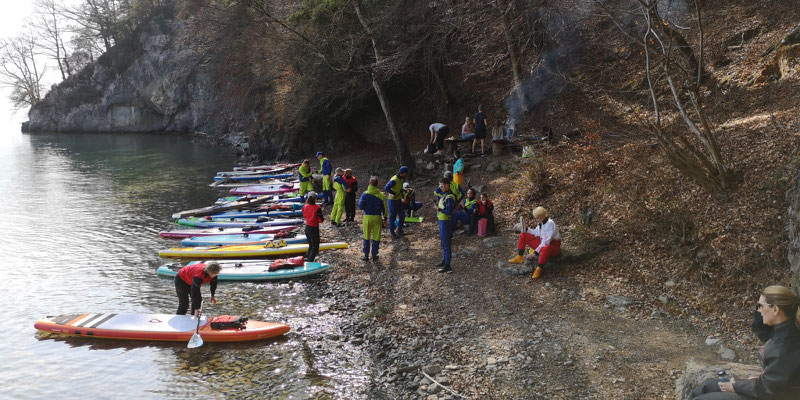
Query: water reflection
x=83, y=214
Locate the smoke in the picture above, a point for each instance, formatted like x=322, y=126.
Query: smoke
x=547, y=81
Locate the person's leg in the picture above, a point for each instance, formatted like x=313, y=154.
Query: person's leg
x=474, y=142
x=182, y=290
x=393, y=216
x=312, y=235
x=401, y=218
x=548, y=251
x=376, y=236
x=483, y=146
x=525, y=239
x=709, y=390
x=367, y=226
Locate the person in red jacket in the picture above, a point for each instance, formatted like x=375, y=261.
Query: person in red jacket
x=189, y=280
x=313, y=216
x=485, y=209
x=350, y=195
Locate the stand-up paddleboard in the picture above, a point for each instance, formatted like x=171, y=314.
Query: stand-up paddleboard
x=235, y=204
x=268, y=170
x=414, y=219
x=264, y=167
x=253, y=270
x=204, y=223
x=244, y=251
x=259, y=190
x=187, y=233
x=231, y=240
x=278, y=198
x=244, y=216
x=256, y=177
x=166, y=327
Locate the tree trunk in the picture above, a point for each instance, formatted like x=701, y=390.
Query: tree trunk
x=514, y=54
x=377, y=84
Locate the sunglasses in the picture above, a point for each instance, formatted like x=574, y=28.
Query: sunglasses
x=760, y=304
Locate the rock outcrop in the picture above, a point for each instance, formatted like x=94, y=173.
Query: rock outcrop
x=151, y=82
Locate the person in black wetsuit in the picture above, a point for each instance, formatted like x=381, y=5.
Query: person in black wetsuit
x=776, y=322
x=189, y=280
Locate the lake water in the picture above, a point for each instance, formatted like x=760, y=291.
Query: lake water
x=80, y=233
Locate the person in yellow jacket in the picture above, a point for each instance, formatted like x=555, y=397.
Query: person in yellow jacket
x=339, y=184
x=306, y=180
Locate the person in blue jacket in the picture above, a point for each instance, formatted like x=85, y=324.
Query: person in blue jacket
x=326, y=170
x=446, y=206
x=394, y=193
x=455, y=189
x=373, y=203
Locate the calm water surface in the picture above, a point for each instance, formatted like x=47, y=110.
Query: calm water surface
x=82, y=216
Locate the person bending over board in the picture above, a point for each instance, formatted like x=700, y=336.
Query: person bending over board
x=189, y=280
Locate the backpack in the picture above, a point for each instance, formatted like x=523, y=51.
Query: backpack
x=223, y=322
x=431, y=148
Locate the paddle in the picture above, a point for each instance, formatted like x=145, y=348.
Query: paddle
x=196, y=341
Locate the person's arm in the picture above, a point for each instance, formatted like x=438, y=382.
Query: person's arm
x=763, y=331
x=388, y=187
x=433, y=135
x=779, y=369
x=319, y=215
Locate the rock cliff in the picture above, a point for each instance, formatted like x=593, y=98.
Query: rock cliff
x=154, y=81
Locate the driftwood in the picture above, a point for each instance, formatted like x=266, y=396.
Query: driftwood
x=443, y=386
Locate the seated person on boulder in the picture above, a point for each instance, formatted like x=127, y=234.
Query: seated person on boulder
x=465, y=213
x=544, y=240
x=776, y=322
x=484, y=209
x=410, y=202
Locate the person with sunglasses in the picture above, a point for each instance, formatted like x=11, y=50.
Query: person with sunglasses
x=777, y=323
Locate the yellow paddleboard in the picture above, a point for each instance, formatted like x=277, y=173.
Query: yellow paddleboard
x=244, y=251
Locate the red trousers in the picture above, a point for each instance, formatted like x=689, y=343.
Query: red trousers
x=551, y=250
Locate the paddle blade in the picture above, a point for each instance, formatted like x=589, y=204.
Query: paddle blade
x=195, y=342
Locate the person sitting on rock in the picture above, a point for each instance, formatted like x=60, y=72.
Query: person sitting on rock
x=465, y=213
x=544, y=240
x=485, y=209
x=776, y=322
x=410, y=202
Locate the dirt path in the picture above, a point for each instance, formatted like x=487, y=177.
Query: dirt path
x=487, y=332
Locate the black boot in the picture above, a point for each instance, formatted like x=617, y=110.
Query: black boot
x=440, y=264
x=445, y=268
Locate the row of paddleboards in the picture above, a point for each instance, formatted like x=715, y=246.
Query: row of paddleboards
x=241, y=226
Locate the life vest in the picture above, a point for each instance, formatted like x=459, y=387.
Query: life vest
x=443, y=207
x=468, y=204
x=395, y=188
x=305, y=173
x=189, y=272
x=310, y=214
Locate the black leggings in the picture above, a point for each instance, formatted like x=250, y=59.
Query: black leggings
x=709, y=390
x=440, y=135
x=312, y=235
x=349, y=206
x=184, y=291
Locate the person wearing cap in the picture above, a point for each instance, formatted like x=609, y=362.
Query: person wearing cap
x=544, y=240
x=394, y=192
x=306, y=184
x=410, y=202
x=445, y=207
x=339, y=185
x=312, y=213
x=373, y=203
x=325, y=169
x=350, y=195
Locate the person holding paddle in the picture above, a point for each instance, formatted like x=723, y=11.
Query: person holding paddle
x=188, y=282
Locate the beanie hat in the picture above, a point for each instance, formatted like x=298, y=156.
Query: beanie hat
x=403, y=169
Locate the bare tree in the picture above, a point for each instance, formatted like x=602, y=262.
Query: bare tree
x=49, y=26
x=19, y=70
x=694, y=149
x=377, y=84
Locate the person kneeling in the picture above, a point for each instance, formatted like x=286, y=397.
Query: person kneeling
x=544, y=240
